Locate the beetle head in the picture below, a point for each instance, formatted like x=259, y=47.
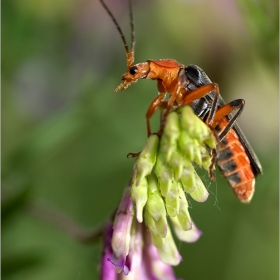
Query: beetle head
x=133, y=73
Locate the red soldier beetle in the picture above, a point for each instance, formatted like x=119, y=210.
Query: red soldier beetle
x=189, y=85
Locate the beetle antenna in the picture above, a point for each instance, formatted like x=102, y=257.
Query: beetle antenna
x=131, y=27
x=129, y=54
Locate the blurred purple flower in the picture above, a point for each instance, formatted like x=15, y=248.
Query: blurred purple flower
x=128, y=252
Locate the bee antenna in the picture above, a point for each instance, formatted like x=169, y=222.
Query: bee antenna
x=129, y=54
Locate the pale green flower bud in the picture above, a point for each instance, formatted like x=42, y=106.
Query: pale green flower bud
x=200, y=194
x=168, y=142
x=139, y=196
x=183, y=215
x=188, y=177
x=187, y=145
x=169, y=252
x=193, y=125
x=176, y=164
x=164, y=174
x=172, y=200
x=210, y=141
x=155, y=207
x=146, y=159
x=206, y=159
x=152, y=183
x=151, y=225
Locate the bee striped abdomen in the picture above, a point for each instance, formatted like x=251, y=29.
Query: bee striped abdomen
x=235, y=164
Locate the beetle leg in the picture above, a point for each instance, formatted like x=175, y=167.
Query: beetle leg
x=175, y=91
x=201, y=92
x=157, y=101
x=213, y=154
x=133, y=155
x=225, y=111
x=162, y=107
x=152, y=108
x=216, y=113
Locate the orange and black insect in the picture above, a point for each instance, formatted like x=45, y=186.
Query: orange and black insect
x=189, y=85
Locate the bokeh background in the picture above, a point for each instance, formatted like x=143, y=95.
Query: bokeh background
x=65, y=134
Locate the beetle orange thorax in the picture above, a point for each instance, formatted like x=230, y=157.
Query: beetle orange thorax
x=166, y=70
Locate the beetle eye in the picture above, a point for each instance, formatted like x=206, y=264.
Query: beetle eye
x=133, y=70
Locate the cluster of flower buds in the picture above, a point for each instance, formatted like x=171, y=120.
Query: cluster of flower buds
x=139, y=244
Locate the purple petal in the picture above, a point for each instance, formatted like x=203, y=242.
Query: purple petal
x=121, y=234
x=108, y=271
x=156, y=268
x=135, y=258
x=118, y=263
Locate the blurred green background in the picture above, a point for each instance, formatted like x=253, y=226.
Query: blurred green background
x=65, y=134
